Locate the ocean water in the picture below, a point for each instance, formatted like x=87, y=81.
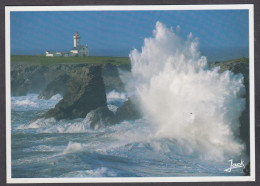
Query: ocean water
x=46, y=148
x=190, y=124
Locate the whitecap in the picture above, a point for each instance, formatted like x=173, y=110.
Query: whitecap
x=73, y=147
x=32, y=102
x=38, y=123
x=98, y=172
x=114, y=95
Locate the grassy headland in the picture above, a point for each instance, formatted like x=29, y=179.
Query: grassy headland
x=43, y=60
x=228, y=64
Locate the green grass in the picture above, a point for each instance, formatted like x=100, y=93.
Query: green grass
x=43, y=60
x=241, y=60
x=225, y=65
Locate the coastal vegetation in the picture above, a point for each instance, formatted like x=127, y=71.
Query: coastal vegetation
x=44, y=60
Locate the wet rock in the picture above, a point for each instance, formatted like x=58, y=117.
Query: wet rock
x=30, y=78
x=128, y=111
x=246, y=170
x=111, y=77
x=57, y=86
x=101, y=117
x=27, y=79
x=84, y=92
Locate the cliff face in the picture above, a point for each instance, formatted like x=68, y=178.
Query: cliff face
x=112, y=80
x=101, y=117
x=128, y=111
x=84, y=92
x=82, y=87
x=27, y=79
x=56, y=86
x=52, y=79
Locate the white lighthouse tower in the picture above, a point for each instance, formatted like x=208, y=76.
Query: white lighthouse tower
x=77, y=50
x=76, y=38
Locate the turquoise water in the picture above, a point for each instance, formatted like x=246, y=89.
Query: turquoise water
x=47, y=148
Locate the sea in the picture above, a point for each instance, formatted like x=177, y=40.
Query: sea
x=46, y=148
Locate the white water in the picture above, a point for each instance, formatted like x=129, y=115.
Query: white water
x=116, y=96
x=115, y=100
x=70, y=148
x=73, y=147
x=31, y=102
x=183, y=99
x=99, y=172
x=189, y=112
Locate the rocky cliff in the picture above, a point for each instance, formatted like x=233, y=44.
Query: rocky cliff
x=29, y=78
x=128, y=111
x=50, y=80
x=56, y=86
x=111, y=78
x=85, y=91
x=83, y=87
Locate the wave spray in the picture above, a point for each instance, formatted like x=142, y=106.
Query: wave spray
x=183, y=99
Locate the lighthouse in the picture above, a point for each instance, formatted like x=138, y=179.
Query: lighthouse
x=76, y=38
x=77, y=50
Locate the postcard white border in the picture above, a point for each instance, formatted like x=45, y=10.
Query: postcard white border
x=249, y=7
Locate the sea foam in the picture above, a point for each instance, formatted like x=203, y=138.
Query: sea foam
x=32, y=102
x=183, y=99
x=73, y=147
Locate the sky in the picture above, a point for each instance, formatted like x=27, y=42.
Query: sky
x=116, y=33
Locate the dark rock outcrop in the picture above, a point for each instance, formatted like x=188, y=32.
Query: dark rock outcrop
x=51, y=79
x=128, y=111
x=85, y=92
x=101, y=117
x=27, y=79
x=112, y=80
x=57, y=86
x=30, y=78
x=246, y=170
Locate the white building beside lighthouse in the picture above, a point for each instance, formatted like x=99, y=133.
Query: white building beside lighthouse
x=77, y=50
